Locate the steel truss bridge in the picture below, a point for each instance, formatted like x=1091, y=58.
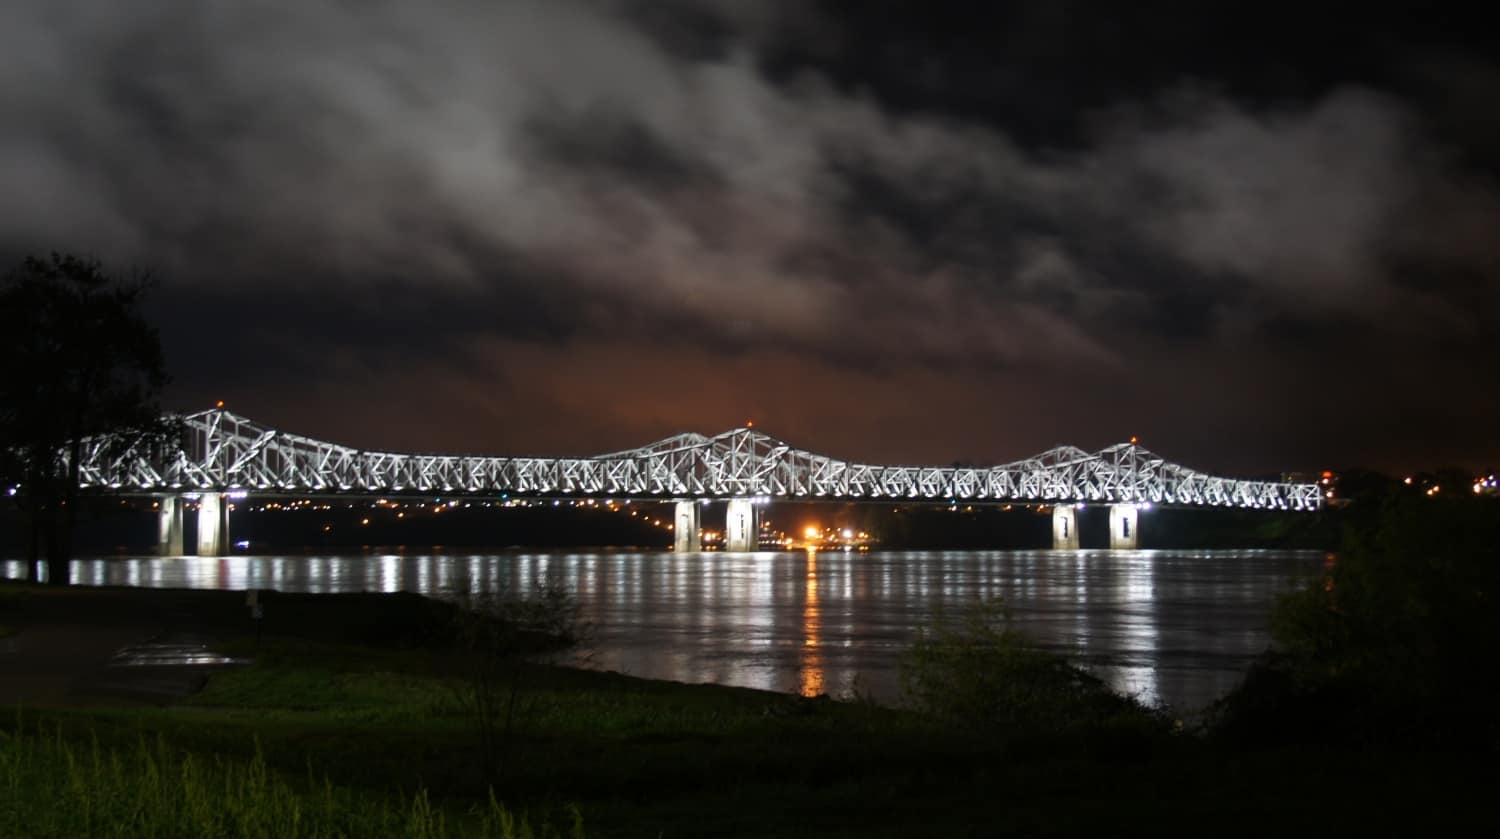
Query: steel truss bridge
x=222, y=452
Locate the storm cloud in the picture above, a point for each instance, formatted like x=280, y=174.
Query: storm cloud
x=570, y=225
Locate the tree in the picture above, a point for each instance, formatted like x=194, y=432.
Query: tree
x=1394, y=643
x=81, y=362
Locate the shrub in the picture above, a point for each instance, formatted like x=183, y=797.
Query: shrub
x=495, y=634
x=980, y=673
x=1394, y=644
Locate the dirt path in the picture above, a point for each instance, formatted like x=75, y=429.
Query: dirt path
x=85, y=645
x=46, y=664
x=73, y=665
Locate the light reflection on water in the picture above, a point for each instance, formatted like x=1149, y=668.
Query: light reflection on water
x=1175, y=627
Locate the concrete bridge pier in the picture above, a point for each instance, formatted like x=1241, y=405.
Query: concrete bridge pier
x=741, y=530
x=686, y=529
x=169, y=526
x=1064, y=527
x=213, y=524
x=1124, y=526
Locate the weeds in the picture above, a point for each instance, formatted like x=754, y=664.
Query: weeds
x=495, y=633
x=50, y=786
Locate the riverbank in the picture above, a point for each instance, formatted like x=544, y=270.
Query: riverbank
x=1178, y=628
x=366, y=692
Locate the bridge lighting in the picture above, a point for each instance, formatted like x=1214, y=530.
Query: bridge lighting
x=238, y=494
x=1133, y=440
x=724, y=467
x=219, y=404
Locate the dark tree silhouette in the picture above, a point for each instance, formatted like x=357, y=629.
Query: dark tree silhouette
x=81, y=361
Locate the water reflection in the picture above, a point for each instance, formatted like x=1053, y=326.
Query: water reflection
x=811, y=663
x=1176, y=627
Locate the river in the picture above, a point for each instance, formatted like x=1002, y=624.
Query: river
x=1175, y=628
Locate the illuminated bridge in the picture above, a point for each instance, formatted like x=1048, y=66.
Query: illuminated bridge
x=221, y=454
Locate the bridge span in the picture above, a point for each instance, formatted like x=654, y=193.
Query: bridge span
x=221, y=455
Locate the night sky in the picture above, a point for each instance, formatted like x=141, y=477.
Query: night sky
x=1257, y=236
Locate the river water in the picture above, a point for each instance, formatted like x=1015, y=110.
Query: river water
x=1176, y=628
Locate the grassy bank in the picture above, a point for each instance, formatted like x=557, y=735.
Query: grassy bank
x=376, y=709
x=55, y=786
x=646, y=759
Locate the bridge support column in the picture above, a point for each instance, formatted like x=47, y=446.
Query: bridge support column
x=685, y=528
x=213, y=524
x=1064, y=527
x=741, y=531
x=1124, y=526
x=169, y=526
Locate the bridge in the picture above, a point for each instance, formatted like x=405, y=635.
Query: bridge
x=221, y=455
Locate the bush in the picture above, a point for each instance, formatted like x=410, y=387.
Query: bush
x=1394, y=644
x=495, y=634
x=979, y=673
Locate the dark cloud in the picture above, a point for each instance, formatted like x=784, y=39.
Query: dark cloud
x=901, y=229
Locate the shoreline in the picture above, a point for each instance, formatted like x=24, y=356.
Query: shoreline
x=360, y=690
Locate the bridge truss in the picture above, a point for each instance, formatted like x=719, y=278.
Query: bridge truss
x=223, y=452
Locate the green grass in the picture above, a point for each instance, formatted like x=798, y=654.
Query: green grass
x=649, y=759
x=377, y=721
x=52, y=786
